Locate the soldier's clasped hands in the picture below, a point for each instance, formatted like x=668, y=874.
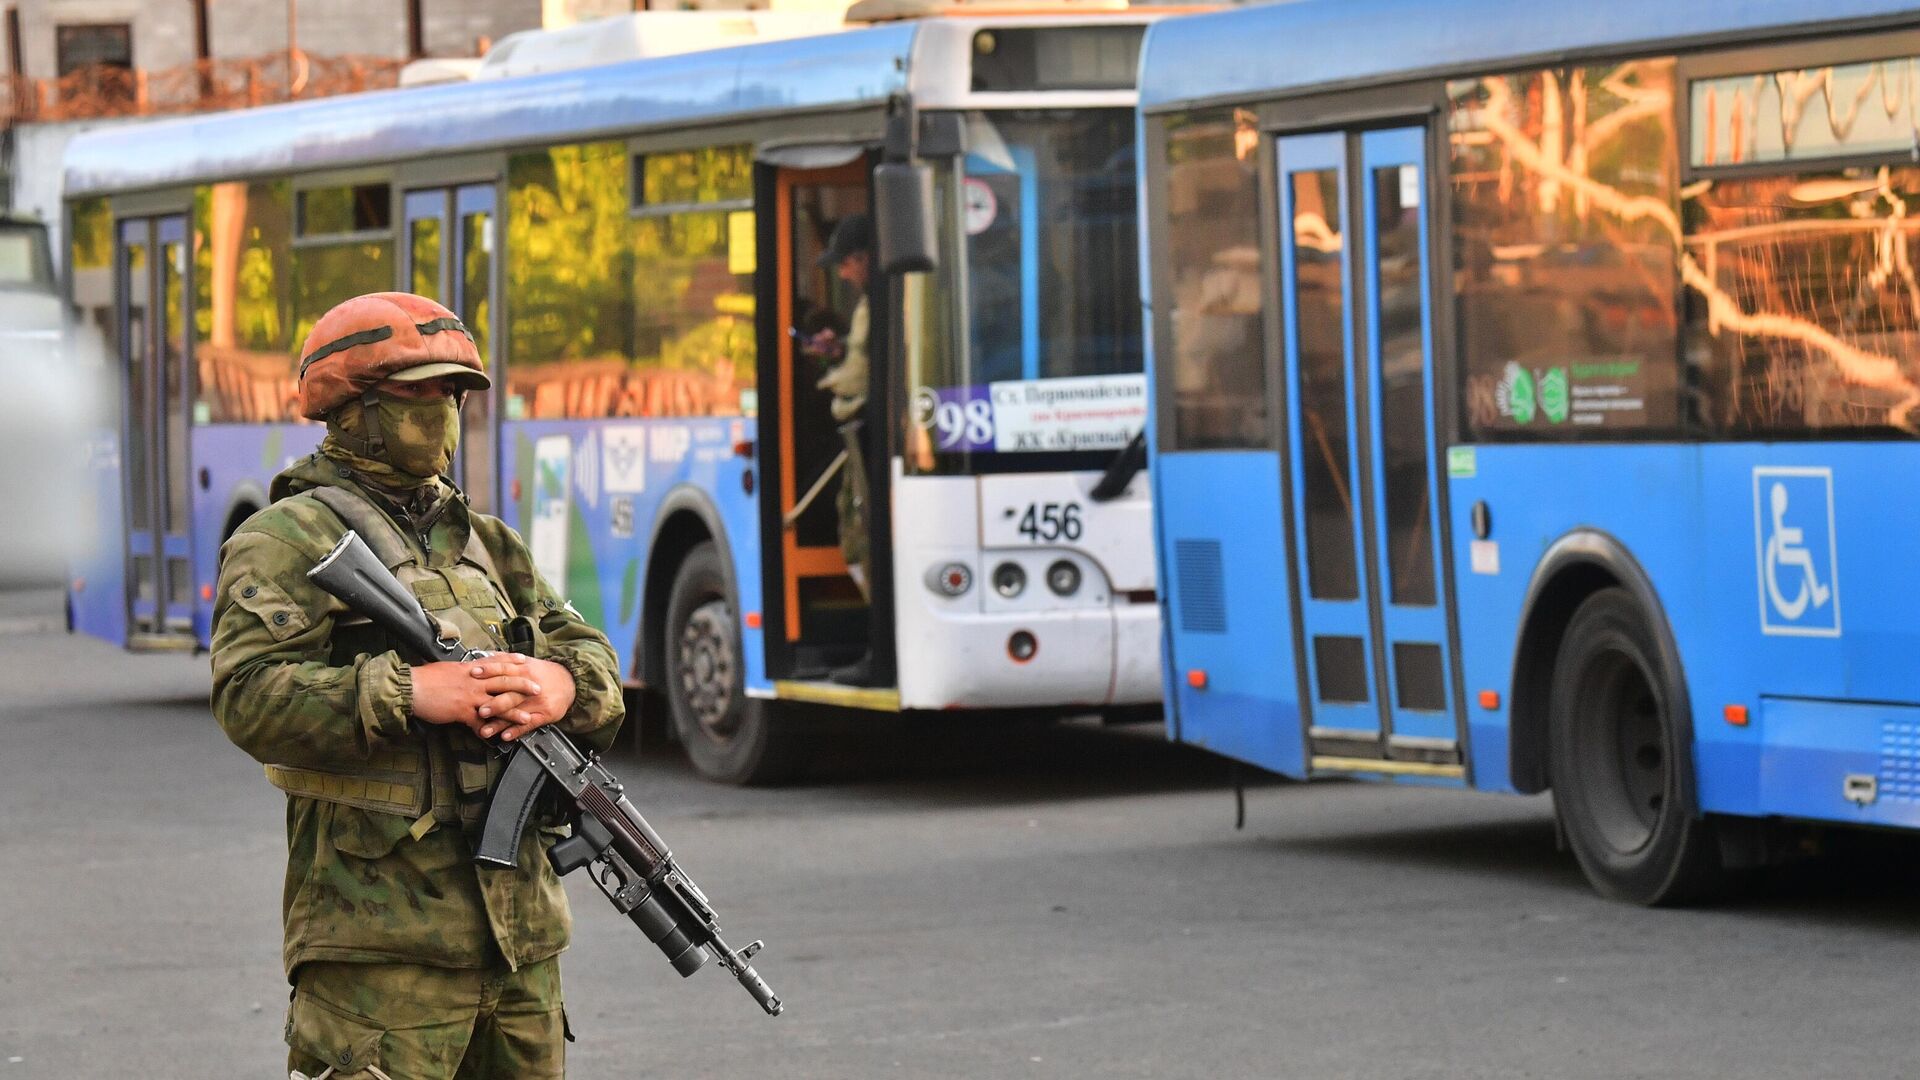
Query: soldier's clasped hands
x=506, y=694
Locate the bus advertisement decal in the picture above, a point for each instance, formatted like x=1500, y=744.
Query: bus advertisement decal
x=552, y=473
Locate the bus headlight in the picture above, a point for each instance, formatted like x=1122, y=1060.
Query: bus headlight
x=1009, y=580
x=1063, y=577
x=953, y=579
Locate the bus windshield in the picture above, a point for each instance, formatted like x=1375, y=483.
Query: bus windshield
x=1050, y=359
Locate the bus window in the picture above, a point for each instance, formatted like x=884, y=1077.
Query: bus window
x=569, y=271
x=1051, y=360
x=1049, y=215
x=90, y=265
x=345, y=249
x=1566, y=252
x=694, y=256
x=243, y=304
x=1218, y=370
x=1801, y=307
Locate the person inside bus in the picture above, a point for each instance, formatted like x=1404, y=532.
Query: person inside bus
x=850, y=254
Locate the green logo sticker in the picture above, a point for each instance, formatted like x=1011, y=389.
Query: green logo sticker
x=1462, y=463
x=1516, y=394
x=1553, y=395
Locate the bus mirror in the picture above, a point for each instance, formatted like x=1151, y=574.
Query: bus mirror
x=909, y=234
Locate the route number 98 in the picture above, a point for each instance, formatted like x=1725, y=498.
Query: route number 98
x=958, y=423
x=1045, y=522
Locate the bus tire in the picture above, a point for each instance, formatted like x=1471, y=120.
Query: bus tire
x=728, y=736
x=1621, y=765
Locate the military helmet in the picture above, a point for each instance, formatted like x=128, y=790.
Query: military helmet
x=387, y=335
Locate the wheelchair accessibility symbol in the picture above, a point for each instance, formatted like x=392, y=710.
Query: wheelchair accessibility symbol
x=1794, y=542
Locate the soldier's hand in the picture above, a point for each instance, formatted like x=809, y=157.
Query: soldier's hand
x=448, y=692
x=513, y=712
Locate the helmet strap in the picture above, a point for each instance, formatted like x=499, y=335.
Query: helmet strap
x=370, y=441
x=370, y=415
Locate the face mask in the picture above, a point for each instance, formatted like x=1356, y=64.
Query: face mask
x=420, y=436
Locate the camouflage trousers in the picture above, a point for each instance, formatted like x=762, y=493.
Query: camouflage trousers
x=412, y=1022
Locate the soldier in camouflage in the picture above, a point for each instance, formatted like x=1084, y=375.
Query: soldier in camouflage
x=407, y=960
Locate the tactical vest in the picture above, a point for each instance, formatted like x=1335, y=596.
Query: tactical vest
x=445, y=777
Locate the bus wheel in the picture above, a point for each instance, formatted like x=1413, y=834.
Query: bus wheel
x=729, y=737
x=1620, y=765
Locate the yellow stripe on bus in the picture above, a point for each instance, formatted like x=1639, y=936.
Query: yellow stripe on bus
x=848, y=697
x=1396, y=768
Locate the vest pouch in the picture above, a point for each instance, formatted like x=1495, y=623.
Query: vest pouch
x=461, y=600
x=433, y=593
x=367, y=834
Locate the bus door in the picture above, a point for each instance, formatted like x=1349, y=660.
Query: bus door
x=449, y=256
x=1359, y=362
x=817, y=619
x=151, y=264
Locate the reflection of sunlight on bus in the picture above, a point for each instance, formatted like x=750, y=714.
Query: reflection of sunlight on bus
x=50, y=405
x=1546, y=160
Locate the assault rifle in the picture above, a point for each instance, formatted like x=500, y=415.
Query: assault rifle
x=629, y=861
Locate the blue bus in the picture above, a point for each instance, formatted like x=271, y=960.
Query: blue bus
x=1533, y=386
x=638, y=249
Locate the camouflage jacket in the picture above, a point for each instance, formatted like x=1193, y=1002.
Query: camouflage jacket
x=294, y=688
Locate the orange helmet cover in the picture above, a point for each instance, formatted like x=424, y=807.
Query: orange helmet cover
x=361, y=341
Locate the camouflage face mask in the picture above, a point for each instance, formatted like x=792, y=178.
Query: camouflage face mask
x=419, y=435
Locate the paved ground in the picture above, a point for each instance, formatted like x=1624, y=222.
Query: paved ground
x=1049, y=904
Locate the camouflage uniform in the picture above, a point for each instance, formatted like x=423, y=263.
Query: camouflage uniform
x=407, y=959
x=847, y=381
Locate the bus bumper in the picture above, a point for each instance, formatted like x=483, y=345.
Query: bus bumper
x=1075, y=659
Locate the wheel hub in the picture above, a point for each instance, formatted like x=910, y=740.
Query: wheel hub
x=706, y=667
x=1626, y=746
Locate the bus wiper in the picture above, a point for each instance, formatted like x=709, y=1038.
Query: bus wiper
x=1121, y=471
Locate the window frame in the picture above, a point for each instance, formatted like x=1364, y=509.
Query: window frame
x=1861, y=47
x=305, y=185
x=638, y=207
x=61, y=31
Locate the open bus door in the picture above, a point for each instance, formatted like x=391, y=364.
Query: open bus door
x=816, y=618
x=155, y=295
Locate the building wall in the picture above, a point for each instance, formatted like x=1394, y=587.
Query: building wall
x=163, y=30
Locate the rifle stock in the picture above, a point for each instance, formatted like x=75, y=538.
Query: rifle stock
x=351, y=573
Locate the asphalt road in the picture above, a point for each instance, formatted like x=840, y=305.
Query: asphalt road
x=1066, y=902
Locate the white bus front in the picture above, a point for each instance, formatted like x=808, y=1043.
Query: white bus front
x=1020, y=580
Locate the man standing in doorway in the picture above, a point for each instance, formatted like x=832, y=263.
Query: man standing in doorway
x=850, y=254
